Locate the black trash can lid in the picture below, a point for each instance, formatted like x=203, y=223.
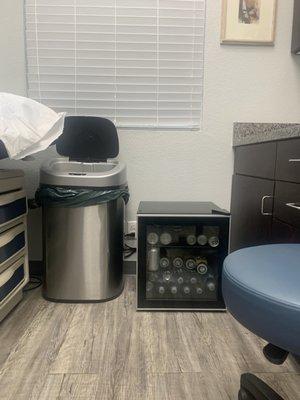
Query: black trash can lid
x=88, y=139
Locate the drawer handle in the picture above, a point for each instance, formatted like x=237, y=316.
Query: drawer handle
x=293, y=205
x=262, y=209
x=294, y=160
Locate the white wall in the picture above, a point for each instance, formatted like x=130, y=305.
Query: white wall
x=12, y=64
x=242, y=83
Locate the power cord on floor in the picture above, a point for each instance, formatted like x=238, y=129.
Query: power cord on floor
x=129, y=250
x=35, y=281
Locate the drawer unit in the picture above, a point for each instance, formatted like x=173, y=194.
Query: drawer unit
x=288, y=161
x=11, y=179
x=12, y=244
x=256, y=160
x=266, y=194
x=13, y=205
x=13, y=279
x=14, y=271
x=287, y=203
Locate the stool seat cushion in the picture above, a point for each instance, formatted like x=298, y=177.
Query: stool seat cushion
x=261, y=289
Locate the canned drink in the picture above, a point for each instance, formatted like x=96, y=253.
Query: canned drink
x=152, y=238
x=214, y=241
x=165, y=238
x=178, y=262
x=164, y=262
x=191, y=240
x=202, y=240
x=190, y=263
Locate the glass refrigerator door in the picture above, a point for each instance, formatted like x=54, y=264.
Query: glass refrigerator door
x=182, y=262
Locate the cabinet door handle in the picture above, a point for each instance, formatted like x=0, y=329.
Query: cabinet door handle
x=294, y=160
x=262, y=209
x=293, y=205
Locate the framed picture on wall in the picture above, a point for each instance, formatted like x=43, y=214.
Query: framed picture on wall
x=248, y=22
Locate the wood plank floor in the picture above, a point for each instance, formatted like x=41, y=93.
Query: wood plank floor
x=108, y=351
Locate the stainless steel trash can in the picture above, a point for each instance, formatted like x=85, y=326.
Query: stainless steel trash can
x=83, y=245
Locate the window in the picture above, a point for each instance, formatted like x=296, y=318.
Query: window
x=136, y=62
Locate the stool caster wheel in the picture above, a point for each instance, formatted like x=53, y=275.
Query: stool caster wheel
x=253, y=388
x=275, y=354
x=245, y=395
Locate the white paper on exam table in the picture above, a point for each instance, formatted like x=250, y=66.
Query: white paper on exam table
x=27, y=126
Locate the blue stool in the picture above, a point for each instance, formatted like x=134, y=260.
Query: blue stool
x=261, y=289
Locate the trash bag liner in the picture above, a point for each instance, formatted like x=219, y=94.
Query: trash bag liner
x=50, y=196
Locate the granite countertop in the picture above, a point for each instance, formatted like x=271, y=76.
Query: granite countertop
x=247, y=133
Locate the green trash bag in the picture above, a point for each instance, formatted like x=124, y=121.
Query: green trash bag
x=55, y=196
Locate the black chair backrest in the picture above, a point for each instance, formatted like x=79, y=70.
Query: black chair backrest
x=88, y=139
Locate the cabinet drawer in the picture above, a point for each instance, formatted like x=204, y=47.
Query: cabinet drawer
x=249, y=226
x=12, y=242
x=284, y=233
x=12, y=278
x=12, y=206
x=287, y=203
x=288, y=161
x=11, y=180
x=256, y=160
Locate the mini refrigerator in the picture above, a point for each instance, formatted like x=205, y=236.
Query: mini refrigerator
x=181, y=249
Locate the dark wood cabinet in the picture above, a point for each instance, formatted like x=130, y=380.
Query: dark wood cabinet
x=249, y=226
x=296, y=28
x=256, y=160
x=265, y=202
x=288, y=161
x=284, y=233
x=287, y=203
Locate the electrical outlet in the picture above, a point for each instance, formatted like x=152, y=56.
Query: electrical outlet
x=131, y=227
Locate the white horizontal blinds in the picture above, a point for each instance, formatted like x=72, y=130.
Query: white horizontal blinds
x=50, y=47
x=137, y=62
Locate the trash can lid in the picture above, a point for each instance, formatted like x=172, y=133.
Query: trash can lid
x=62, y=172
x=88, y=142
x=88, y=139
